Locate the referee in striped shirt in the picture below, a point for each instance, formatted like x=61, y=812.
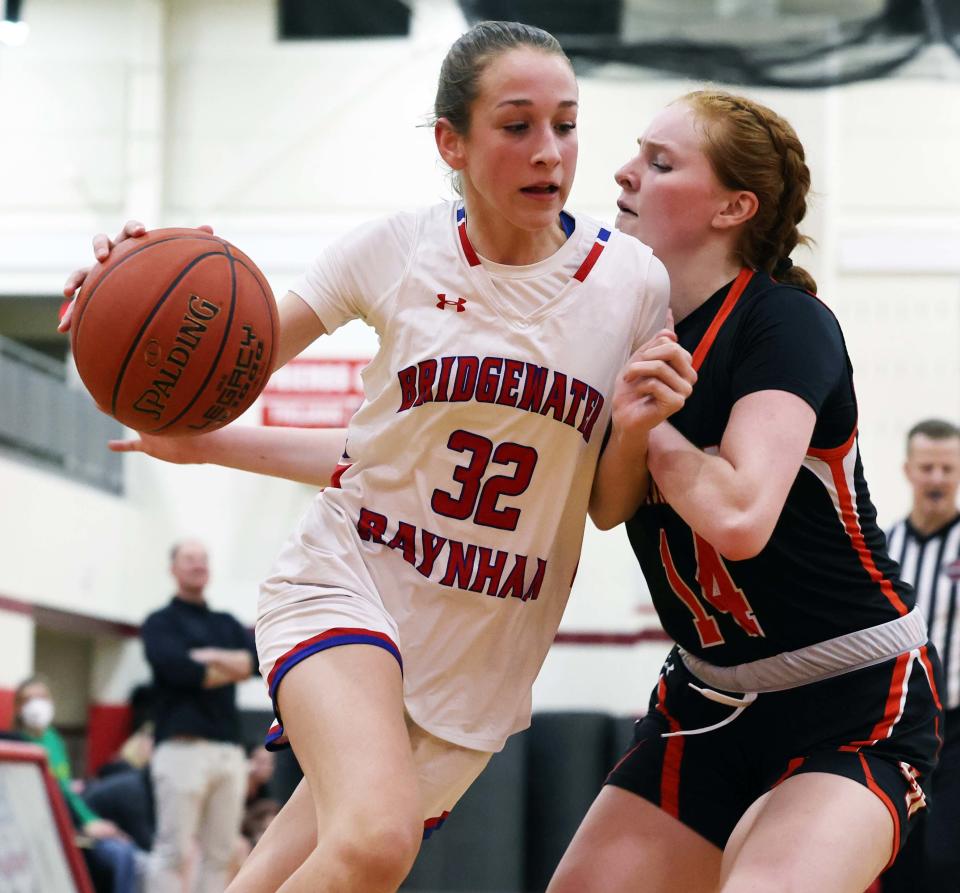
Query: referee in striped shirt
x=927, y=546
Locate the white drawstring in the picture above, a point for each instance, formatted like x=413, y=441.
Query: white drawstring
x=740, y=703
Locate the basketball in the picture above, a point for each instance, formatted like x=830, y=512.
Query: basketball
x=174, y=334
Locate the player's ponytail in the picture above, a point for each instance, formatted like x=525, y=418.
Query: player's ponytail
x=459, y=82
x=751, y=147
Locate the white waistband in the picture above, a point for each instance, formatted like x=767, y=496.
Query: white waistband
x=814, y=663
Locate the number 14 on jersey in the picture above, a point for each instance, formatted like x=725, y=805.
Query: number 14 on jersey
x=717, y=588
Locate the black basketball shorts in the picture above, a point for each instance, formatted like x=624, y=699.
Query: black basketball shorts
x=880, y=726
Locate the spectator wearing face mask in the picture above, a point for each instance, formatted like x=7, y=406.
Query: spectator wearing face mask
x=111, y=857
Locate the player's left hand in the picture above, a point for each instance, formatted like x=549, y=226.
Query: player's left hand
x=654, y=384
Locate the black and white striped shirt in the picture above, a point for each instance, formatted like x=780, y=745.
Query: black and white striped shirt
x=931, y=564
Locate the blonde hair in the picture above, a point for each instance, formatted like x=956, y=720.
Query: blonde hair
x=751, y=147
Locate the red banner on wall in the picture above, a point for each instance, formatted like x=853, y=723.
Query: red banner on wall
x=313, y=392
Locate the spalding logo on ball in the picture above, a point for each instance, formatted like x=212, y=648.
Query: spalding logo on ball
x=175, y=332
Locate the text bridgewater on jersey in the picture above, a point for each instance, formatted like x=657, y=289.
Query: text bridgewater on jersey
x=508, y=382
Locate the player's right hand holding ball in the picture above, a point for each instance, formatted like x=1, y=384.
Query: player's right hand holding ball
x=102, y=246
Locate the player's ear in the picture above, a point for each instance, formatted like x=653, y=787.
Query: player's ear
x=450, y=144
x=739, y=207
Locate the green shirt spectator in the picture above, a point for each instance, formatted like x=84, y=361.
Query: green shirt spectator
x=59, y=763
x=109, y=855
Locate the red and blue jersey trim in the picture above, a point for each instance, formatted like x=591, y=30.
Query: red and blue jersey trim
x=331, y=638
x=276, y=738
x=468, y=251
x=338, y=473
x=344, y=463
x=567, y=223
x=601, y=242
x=434, y=824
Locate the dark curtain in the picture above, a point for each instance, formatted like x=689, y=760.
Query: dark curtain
x=781, y=44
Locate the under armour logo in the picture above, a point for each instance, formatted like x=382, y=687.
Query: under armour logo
x=459, y=303
x=667, y=668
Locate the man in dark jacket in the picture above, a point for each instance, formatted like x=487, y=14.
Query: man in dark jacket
x=198, y=768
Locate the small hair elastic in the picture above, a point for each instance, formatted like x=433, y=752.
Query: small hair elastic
x=781, y=266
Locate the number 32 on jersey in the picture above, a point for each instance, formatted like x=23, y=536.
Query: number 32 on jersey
x=717, y=588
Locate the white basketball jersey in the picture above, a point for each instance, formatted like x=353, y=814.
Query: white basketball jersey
x=471, y=460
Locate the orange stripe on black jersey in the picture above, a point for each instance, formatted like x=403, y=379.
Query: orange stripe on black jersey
x=670, y=778
x=932, y=682
x=706, y=342
x=792, y=767
x=876, y=789
x=928, y=668
x=894, y=698
x=835, y=458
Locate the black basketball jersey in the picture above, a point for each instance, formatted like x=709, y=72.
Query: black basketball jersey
x=825, y=571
